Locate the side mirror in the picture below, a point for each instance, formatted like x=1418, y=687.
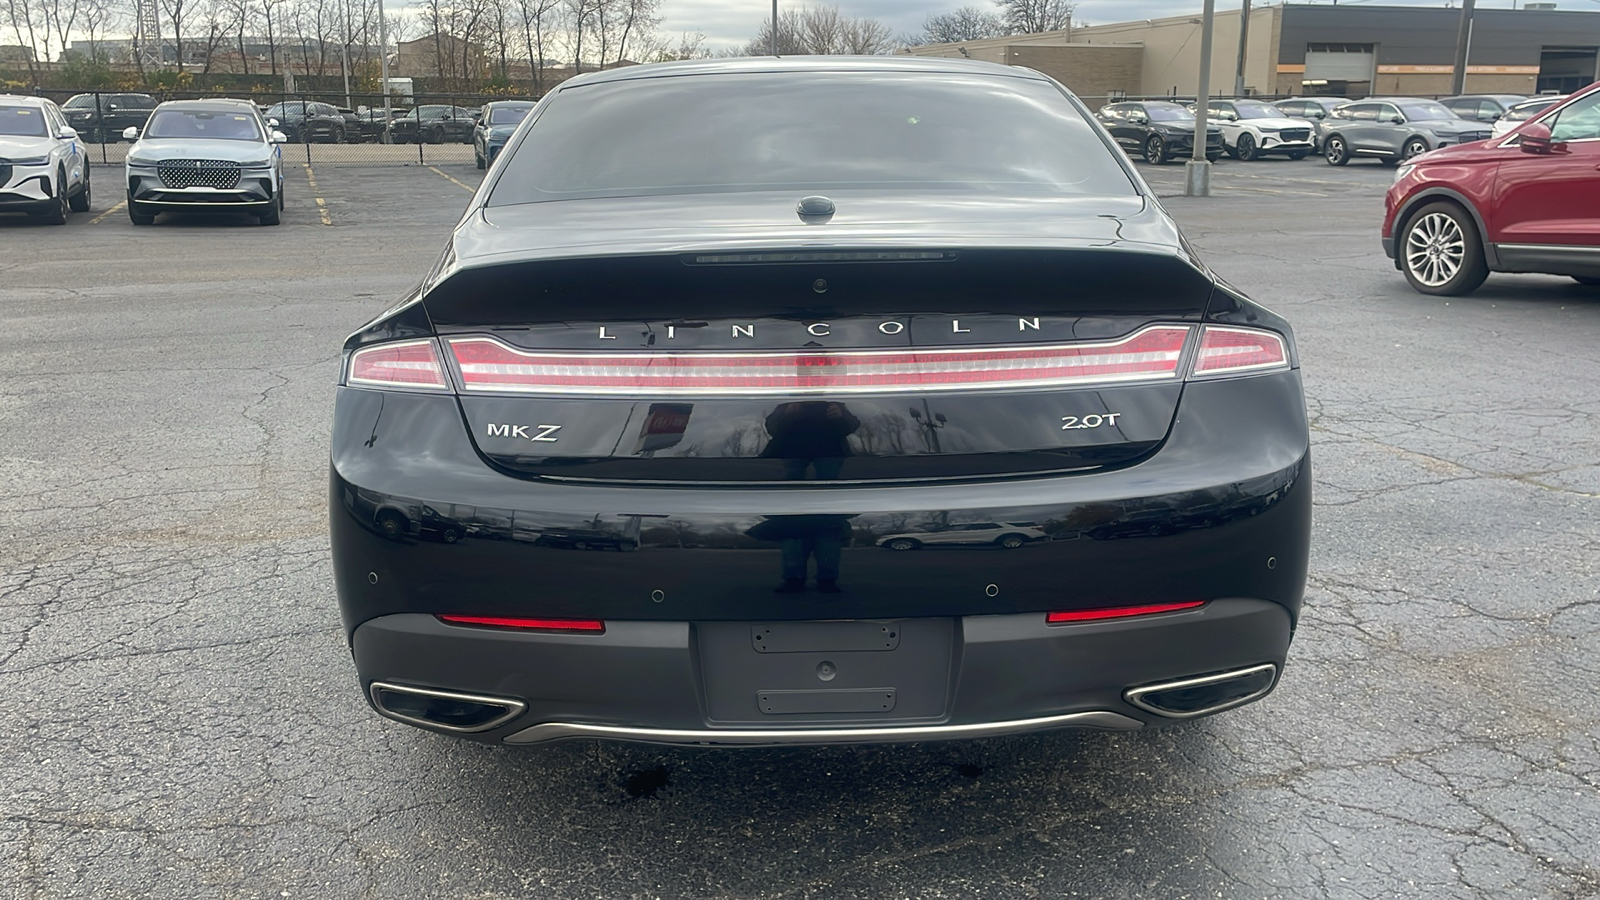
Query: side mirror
x=67, y=133
x=1398, y=120
x=272, y=123
x=1536, y=138
x=1138, y=119
x=1230, y=117
x=279, y=137
x=130, y=133
x=111, y=106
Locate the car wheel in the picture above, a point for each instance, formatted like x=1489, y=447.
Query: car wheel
x=1012, y=541
x=273, y=214
x=451, y=535
x=1155, y=150
x=1588, y=280
x=1335, y=151
x=1245, y=148
x=1441, y=251
x=478, y=159
x=139, y=214
x=1298, y=155
x=56, y=212
x=1213, y=157
x=902, y=544
x=1414, y=147
x=80, y=201
x=436, y=135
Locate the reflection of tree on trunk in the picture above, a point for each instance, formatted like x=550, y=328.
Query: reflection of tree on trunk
x=809, y=436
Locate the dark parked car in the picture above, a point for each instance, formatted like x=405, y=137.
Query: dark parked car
x=1159, y=130
x=1527, y=202
x=1482, y=107
x=101, y=118
x=434, y=124
x=1392, y=129
x=371, y=123
x=496, y=122
x=878, y=295
x=307, y=121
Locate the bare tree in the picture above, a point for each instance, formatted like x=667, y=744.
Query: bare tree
x=1034, y=16
x=821, y=30
x=28, y=24
x=865, y=37
x=969, y=23
x=177, y=13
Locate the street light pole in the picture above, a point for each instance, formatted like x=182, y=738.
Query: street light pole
x=774, y=27
x=383, y=69
x=1244, y=42
x=1197, y=174
x=1458, y=78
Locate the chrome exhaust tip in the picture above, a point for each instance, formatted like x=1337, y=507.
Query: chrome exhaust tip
x=1192, y=697
x=445, y=710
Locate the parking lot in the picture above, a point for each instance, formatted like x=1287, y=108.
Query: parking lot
x=179, y=716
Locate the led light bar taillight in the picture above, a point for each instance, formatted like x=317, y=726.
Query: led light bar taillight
x=403, y=364
x=1117, y=612
x=584, y=625
x=1148, y=355
x=1224, y=350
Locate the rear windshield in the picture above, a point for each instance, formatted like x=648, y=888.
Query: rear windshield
x=508, y=115
x=21, y=121
x=813, y=131
x=183, y=123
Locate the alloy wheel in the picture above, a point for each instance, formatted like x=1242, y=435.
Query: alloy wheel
x=1435, y=249
x=1414, y=147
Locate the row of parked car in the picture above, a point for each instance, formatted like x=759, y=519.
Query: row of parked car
x=105, y=118
x=1386, y=129
x=187, y=155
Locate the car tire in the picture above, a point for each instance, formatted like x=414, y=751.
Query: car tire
x=1298, y=155
x=1213, y=157
x=1335, y=151
x=435, y=135
x=1012, y=541
x=139, y=214
x=1587, y=280
x=450, y=535
x=1155, y=150
x=478, y=159
x=80, y=201
x=1414, y=147
x=273, y=214
x=902, y=544
x=56, y=212
x=1244, y=149
x=1441, y=252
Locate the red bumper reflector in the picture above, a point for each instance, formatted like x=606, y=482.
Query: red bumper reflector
x=588, y=625
x=1147, y=355
x=1117, y=612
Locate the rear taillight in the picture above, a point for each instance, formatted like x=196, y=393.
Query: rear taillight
x=1148, y=355
x=1229, y=350
x=1117, y=612
x=411, y=364
x=591, y=626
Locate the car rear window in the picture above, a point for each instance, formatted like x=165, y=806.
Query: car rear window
x=508, y=115
x=784, y=131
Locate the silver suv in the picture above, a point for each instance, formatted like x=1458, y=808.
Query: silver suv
x=1392, y=129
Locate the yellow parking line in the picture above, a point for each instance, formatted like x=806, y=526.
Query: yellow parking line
x=322, y=205
x=101, y=218
x=460, y=184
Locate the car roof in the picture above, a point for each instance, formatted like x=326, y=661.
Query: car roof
x=803, y=64
x=220, y=103
x=512, y=103
x=22, y=99
x=1159, y=103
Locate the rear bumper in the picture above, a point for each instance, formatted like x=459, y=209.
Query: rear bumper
x=649, y=682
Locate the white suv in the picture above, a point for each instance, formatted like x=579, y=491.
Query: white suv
x=1251, y=129
x=43, y=168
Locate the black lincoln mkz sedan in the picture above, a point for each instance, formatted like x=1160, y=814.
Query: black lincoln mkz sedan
x=712, y=331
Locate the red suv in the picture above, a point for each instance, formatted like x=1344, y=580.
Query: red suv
x=1527, y=202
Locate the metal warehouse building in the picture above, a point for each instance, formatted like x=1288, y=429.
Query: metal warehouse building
x=1352, y=51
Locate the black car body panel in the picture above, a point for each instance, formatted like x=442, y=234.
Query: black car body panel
x=102, y=117
x=669, y=523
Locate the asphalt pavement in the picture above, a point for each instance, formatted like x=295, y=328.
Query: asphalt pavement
x=179, y=716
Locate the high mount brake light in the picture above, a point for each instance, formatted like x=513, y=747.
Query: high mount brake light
x=1228, y=350
x=1117, y=612
x=411, y=364
x=1151, y=354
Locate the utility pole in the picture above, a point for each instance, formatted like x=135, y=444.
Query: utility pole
x=1458, y=78
x=383, y=69
x=1197, y=174
x=774, y=27
x=1244, y=42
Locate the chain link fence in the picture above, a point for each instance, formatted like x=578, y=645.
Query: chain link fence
x=320, y=128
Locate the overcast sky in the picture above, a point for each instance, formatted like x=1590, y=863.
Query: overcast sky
x=732, y=22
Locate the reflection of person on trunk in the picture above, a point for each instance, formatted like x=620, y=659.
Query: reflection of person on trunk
x=810, y=435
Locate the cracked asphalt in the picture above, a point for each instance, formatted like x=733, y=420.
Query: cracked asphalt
x=179, y=716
